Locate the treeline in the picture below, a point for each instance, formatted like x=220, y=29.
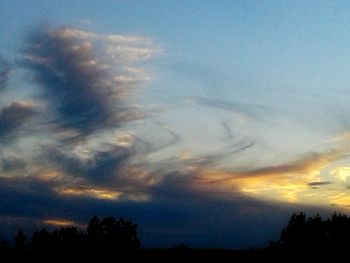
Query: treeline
x=102, y=237
x=315, y=235
x=112, y=237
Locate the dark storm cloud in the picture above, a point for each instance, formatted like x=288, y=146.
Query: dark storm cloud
x=105, y=168
x=177, y=214
x=24, y=197
x=82, y=78
x=106, y=165
x=13, y=117
x=57, y=159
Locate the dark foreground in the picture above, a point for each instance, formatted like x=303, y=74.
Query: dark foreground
x=115, y=240
x=176, y=255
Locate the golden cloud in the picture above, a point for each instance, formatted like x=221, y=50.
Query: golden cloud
x=97, y=193
x=58, y=222
x=288, y=182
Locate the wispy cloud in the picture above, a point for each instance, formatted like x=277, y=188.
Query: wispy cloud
x=304, y=164
x=248, y=109
x=288, y=182
x=315, y=184
x=87, y=157
x=58, y=222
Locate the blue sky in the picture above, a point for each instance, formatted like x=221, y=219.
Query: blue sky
x=232, y=114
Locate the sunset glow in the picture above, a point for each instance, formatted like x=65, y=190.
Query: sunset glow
x=182, y=115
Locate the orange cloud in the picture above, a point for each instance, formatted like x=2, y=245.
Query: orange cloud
x=306, y=164
x=103, y=193
x=287, y=182
x=98, y=193
x=58, y=222
x=49, y=175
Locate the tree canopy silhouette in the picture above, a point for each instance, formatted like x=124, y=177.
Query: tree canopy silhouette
x=111, y=238
x=315, y=234
x=20, y=242
x=112, y=234
x=101, y=238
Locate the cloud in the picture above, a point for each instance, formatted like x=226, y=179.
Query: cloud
x=304, y=164
x=12, y=164
x=13, y=117
x=85, y=157
x=109, y=174
x=5, y=71
x=286, y=182
x=86, y=77
x=248, y=109
x=98, y=193
x=175, y=215
x=208, y=161
x=203, y=213
x=341, y=173
x=56, y=159
x=313, y=184
x=59, y=222
x=107, y=164
x=228, y=131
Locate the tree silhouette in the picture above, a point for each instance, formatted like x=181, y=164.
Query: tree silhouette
x=42, y=241
x=112, y=234
x=293, y=235
x=102, y=237
x=315, y=234
x=110, y=237
x=20, y=241
x=4, y=249
x=93, y=228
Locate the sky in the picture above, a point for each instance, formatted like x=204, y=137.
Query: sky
x=206, y=122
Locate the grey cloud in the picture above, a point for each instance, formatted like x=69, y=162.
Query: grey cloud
x=173, y=139
x=303, y=164
x=228, y=130
x=233, y=151
x=105, y=168
x=57, y=159
x=83, y=79
x=249, y=109
x=13, y=117
x=12, y=164
x=5, y=71
x=202, y=161
x=315, y=184
x=106, y=165
x=212, y=159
